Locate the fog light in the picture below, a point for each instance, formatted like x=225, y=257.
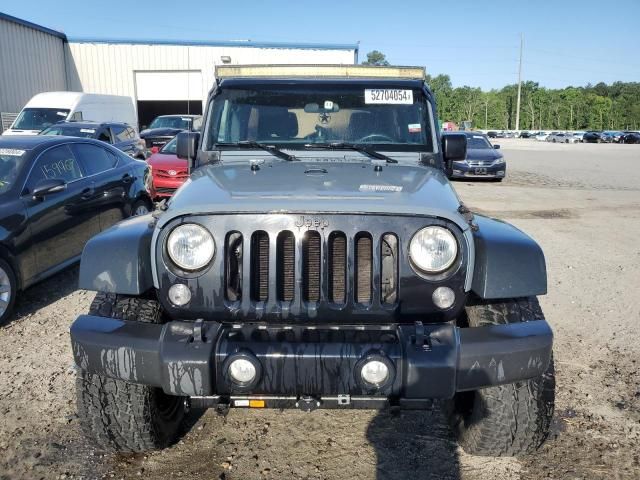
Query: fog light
x=443, y=297
x=375, y=372
x=179, y=294
x=242, y=371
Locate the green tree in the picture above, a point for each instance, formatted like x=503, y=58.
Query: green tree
x=376, y=58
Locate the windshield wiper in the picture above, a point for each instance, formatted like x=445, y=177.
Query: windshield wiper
x=272, y=149
x=352, y=146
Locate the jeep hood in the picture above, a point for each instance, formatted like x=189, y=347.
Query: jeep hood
x=304, y=186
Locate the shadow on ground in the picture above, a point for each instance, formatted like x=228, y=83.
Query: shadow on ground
x=413, y=444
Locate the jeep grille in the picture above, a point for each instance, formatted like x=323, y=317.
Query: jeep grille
x=316, y=272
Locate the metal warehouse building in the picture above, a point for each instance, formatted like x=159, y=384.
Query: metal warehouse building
x=161, y=77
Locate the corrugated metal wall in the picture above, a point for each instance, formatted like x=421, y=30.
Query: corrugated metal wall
x=110, y=68
x=31, y=62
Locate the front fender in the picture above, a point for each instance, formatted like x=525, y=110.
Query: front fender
x=508, y=263
x=118, y=260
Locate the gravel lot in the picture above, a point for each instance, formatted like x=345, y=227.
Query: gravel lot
x=581, y=202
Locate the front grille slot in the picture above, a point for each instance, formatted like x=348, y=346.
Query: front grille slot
x=260, y=266
x=337, y=268
x=311, y=262
x=363, y=268
x=233, y=266
x=286, y=264
x=389, y=269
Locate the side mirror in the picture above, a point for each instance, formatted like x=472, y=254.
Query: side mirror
x=46, y=187
x=454, y=147
x=187, y=147
x=497, y=147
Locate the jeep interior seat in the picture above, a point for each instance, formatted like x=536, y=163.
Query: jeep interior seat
x=277, y=124
x=359, y=125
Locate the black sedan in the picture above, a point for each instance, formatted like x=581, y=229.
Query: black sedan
x=592, y=137
x=120, y=135
x=483, y=160
x=55, y=194
x=630, y=137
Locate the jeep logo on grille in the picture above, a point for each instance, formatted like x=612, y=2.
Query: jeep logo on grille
x=311, y=222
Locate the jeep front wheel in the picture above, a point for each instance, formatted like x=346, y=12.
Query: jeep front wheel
x=507, y=420
x=122, y=416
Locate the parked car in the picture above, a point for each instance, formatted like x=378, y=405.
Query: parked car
x=120, y=135
x=542, y=136
x=317, y=257
x=527, y=134
x=46, y=109
x=492, y=134
x=577, y=137
x=592, y=136
x=165, y=127
x=483, y=160
x=613, y=136
x=168, y=172
x=558, y=137
x=55, y=194
x=607, y=137
x=630, y=137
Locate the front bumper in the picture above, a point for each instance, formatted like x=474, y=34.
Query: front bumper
x=464, y=170
x=427, y=361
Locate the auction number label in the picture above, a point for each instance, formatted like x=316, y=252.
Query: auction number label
x=388, y=96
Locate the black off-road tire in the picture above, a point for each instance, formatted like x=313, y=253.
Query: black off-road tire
x=507, y=420
x=121, y=416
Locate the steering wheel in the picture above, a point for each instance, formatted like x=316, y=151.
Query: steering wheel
x=371, y=138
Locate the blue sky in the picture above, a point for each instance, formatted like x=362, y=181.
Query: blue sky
x=567, y=42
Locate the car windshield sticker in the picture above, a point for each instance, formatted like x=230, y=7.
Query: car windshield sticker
x=380, y=188
x=388, y=96
x=415, y=128
x=11, y=152
x=478, y=136
x=87, y=130
x=185, y=119
x=328, y=105
x=61, y=114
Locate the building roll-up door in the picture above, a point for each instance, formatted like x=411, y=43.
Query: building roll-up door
x=167, y=93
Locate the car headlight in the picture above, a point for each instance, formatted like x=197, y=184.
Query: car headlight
x=499, y=161
x=190, y=246
x=433, y=249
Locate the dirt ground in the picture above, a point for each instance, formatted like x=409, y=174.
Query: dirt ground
x=581, y=202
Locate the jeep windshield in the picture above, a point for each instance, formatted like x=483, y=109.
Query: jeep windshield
x=321, y=115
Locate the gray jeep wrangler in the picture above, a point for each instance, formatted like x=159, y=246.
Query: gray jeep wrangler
x=317, y=257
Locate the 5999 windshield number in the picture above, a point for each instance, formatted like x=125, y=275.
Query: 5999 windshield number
x=388, y=96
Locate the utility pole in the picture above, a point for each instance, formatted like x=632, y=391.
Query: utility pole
x=519, y=84
x=486, y=114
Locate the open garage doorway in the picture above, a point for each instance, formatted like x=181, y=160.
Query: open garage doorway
x=167, y=93
x=150, y=109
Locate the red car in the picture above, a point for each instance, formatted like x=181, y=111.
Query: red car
x=168, y=171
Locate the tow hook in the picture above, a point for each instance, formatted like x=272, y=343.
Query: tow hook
x=307, y=404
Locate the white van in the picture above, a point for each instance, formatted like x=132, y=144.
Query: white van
x=45, y=109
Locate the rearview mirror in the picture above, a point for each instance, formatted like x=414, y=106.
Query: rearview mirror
x=46, y=187
x=497, y=147
x=187, y=147
x=454, y=147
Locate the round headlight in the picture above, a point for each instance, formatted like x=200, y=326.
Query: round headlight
x=433, y=249
x=190, y=246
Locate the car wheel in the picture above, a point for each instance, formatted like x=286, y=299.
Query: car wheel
x=122, y=416
x=8, y=291
x=141, y=207
x=512, y=419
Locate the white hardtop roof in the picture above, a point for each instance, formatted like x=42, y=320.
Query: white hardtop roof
x=319, y=71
